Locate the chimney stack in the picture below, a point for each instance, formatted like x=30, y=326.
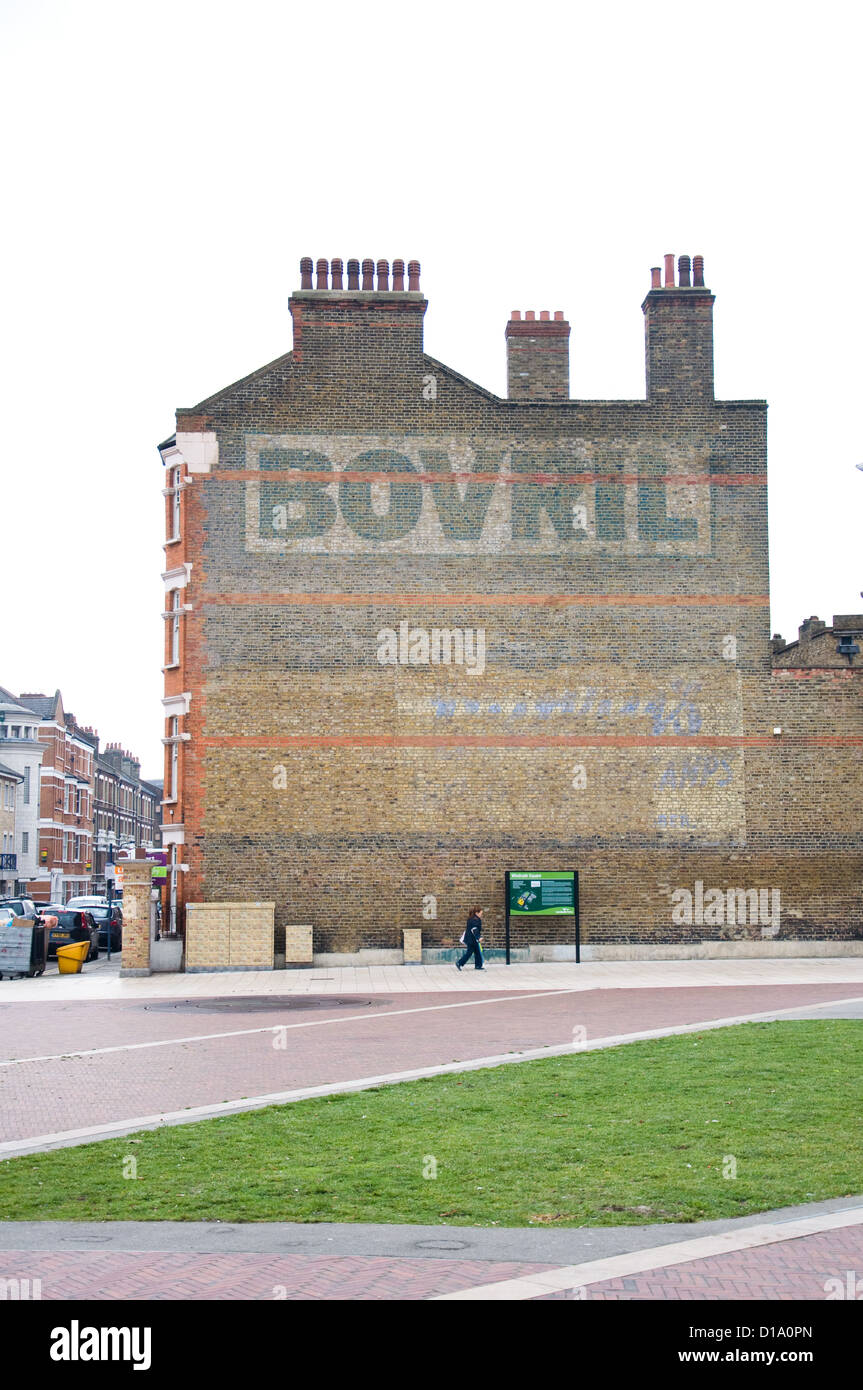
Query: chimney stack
x=327, y=315
x=678, y=328
x=537, y=356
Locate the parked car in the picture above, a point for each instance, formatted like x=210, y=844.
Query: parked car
x=108, y=917
x=88, y=902
x=72, y=926
x=22, y=907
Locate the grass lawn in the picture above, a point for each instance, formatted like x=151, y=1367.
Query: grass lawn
x=652, y=1131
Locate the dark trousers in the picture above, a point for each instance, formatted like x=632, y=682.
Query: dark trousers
x=472, y=950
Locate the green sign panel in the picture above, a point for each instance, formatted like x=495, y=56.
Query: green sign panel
x=542, y=895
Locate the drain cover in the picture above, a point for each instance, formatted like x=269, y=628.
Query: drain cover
x=255, y=1004
x=441, y=1244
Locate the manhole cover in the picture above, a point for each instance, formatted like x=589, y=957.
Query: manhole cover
x=441, y=1244
x=255, y=1004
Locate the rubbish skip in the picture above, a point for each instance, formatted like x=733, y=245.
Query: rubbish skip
x=70, y=959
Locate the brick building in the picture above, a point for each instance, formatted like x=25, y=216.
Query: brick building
x=22, y=750
x=66, y=800
x=9, y=783
x=819, y=647
x=417, y=634
x=126, y=811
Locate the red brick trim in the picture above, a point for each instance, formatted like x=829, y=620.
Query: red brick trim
x=396, y=600
x=526, y=741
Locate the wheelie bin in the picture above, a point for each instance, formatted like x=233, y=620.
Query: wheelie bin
x=38, y=949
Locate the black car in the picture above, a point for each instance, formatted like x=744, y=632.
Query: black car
x=109, y=917
x=71, y=927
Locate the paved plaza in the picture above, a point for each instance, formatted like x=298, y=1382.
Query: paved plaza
x=85, y=1057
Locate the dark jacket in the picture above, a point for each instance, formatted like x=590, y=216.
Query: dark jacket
x=474, y=928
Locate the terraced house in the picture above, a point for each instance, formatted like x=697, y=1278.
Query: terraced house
x=21, y=750
x=65, y=799
x=417, y=634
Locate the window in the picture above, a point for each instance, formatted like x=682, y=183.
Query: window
x=175, y=754
x=175, y=627
x=25, y=841
x=26, y=786
x=175, y=505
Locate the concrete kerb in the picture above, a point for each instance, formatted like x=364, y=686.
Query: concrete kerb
x=663, y=1257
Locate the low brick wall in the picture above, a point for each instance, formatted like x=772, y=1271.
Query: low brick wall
x=298, y=946
x=229, y=936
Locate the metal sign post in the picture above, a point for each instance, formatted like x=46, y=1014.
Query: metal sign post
x=506, y=891
x=543, y=893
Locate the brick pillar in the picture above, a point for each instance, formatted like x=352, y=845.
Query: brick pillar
x=137, y=886
x=413, y=946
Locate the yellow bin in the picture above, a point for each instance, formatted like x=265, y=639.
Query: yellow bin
x=71, y=958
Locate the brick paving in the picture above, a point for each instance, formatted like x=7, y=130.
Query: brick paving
x=367, y=1036
x=792, y=1270
x=789, y=1270
x=88, y=1274
x=365, y=1033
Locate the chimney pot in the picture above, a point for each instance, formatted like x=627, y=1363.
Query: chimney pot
x=353, y=275
x=544, y=316
x=656, y=277
x=413, y=275
x=683, y=272
x=698, y=270
x=323, y=275
x=336, y=268
x=383, y=275
x=530, y=315
x=368, y=274
x=558, y=316
x=669, y=270
x=306, y=273
x=398, y=275
x=516, y=315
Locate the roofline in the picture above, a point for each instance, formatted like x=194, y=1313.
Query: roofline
x=241, y=381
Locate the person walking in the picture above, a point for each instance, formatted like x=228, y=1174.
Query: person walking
x=472, y=934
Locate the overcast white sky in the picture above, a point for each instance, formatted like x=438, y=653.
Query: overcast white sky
x=166, y=165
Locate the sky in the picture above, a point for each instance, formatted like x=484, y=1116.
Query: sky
x=166, y=165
